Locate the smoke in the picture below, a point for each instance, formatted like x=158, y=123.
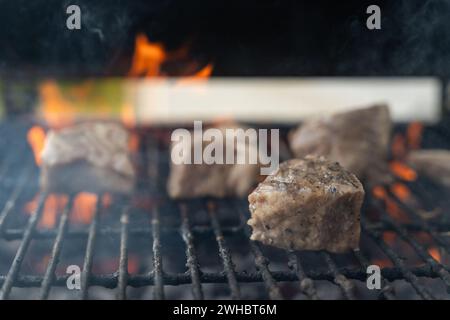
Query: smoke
x=34, y=33
x=252, y=37
x=414, y=40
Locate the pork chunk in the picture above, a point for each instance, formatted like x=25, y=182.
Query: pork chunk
x=91, y=157
x=434, y=164
x=357, y=139
x=308, y=204
x=214, y=180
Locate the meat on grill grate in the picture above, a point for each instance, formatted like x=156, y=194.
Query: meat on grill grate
x=357, y=139
x=308, y=204
x=434, y=164
x=217, y=180
x=91, y=157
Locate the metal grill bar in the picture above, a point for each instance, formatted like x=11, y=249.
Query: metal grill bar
x=17, y=234
x=17, y=262
x=158, y=292
x=261, y=262
x=407, y=274
x=386, y=290
x=191, y=256
x=343, y=276
x=418, y=248
x=306, y=284
x=423, y=254
x=88, y=258
x=346, y=285
x=56, y=251
x=110, y=280
x=123, y=259
x=424, y=225
x=11, y=202
x=224, y=253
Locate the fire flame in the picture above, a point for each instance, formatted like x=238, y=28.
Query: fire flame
x=36, y=139
x=149, y=58
x=56, y=110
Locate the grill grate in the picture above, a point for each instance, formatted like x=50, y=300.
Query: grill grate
x=18, y=180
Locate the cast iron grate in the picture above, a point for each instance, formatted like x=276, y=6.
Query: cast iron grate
x=19, y=174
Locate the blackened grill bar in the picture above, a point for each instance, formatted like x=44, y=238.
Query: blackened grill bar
x=216, y=233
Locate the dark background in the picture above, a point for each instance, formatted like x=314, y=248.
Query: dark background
x=242, y=38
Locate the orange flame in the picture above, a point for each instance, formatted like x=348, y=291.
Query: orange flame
x=434, y=252
x=56, y=110
x=148, y=57
x=402, y=171
x=36, y=139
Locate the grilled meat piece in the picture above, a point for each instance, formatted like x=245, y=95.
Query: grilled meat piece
x=357, y=139
x=215, y=180
x=308, y=204
x=91, y=157
x=434, y=164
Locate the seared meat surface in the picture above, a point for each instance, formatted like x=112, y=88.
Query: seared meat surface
x=215, y=180
x=357, y=139
x=92, y=157
x=308, y=204
x=435, y=164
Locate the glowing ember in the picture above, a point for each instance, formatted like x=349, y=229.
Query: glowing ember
x=110, y=265
x=402, y=171
x=379, y=192
x=414, y=135
x=82, y=211
x=392, y=208
x=401, y=191
x=36, y=139
x=434, y=252
x=54, y=204
x=398, y=146
x=389, y=237
x=83, y=208
x=382, y=263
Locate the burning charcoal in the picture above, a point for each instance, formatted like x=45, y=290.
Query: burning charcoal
x=91, y=157
x=308, y=204
x=435, y=164
x=188, y=180
x=357, y=139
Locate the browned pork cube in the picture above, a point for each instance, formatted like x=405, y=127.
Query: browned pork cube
x=308, y=204
x=90, y=157
x=357, y=139
x=214, y=180
x=434, y=164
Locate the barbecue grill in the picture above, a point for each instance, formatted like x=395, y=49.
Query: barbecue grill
x=218, y=260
